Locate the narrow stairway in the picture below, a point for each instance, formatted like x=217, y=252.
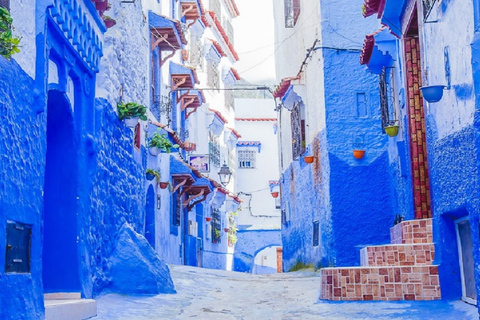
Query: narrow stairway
x=401, y=270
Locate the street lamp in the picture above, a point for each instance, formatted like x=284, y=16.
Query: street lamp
x=225, y=175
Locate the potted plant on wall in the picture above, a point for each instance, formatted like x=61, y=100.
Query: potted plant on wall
x=391, y=129
x=160, y=143
x=8, y=43
x=163, y=185
x=131, y=112
x=151, y=174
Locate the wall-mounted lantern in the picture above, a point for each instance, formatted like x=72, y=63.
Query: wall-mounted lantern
x=225, y=175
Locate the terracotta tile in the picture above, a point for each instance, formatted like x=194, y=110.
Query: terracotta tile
x=409, y=296
x=367, y=297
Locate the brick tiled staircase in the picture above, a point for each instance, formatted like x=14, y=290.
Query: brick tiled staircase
x=401, y=270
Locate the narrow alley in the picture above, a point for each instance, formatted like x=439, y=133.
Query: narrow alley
x=216, y=294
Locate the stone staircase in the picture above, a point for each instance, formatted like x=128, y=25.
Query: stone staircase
x=68, y=306
x=401, y=270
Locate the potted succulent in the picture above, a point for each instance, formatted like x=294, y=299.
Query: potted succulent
x=151, y=174
x=160, y=143
x=131, y=112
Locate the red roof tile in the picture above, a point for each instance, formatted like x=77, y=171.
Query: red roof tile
x=235, y=132
x=220, y=29
x=219, y=115
x=368, y=45
x=218, y=47
x=255, y=119
x=283, y=87
x=235, y=73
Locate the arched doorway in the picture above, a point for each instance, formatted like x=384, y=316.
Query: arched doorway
x=266, y=261
x=60, y=256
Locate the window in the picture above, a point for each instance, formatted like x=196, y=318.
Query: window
x=278, y=203
x=215, y=6
x=176, y=209
x=229, y=30
x=316, y=233
x=216, y=225
x=213, y=76
x=292, y=11
x=362, y=111
x=214, y=149
x=5, y=4
x=246, y=159
x=196, y=53
x=229, y=100
x=387, y=97
x=137, y=141
x=231, y=161
x=427, y=6
x=298, y=130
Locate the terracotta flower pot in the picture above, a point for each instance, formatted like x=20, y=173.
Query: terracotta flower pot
x=208, y=219
x=275, y=194
x=308, y=159
x=358, y=154
x=163, y=185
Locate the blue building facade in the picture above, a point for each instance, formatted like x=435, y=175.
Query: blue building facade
x=74, y=190
x=338, y=203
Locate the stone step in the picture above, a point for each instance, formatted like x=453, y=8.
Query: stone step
x=397, y=255
x=380, y=283
x=62, y=296
x=412, y=232
x=71, y=309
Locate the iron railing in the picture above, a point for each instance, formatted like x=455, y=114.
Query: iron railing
x=297, y=132
x=387, y=107
x=216, y=225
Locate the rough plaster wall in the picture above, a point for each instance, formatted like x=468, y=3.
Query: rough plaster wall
x=22, y=160
x=117, y=193
x=251, y=242
x=23, y=14
x=455, y=110
x=126, y=56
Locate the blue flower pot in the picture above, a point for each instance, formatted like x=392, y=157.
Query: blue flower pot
x=432, y=93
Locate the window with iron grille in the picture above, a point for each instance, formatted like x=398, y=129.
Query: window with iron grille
x=427, y=7
x=214, y=149
x=229, y=100
x=137, y=142
x=246, y=159
x=216, y=7
x=292, y=11
x=176, y=209
x=166, y=108
x=298, y=131
x=213, y=76
x=387, y=106
x=196, y=53
x=5, y=4
x=216, y=225
x=316, y=233
x=229, y=30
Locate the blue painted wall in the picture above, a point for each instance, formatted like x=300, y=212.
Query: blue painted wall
x=22, y=161
x=251, y=242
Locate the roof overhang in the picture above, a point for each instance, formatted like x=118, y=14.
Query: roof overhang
x=166, y=33
x=182, y=77
x=379, y=50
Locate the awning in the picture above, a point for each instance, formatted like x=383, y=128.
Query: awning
x=274, y=185
x=197, y=192
x=212, y=19
x=293, y=96
x=217, y=123
x=182, y=76
x=378, y=51
x=231, y=138
x=229, y=77
x=256, y=144
x=218, y=198
x=191, y=9
x=391, y=16
x=371, y=7
x=213, y=51
x=282, y=88
x=190, y=101
x=167, y=33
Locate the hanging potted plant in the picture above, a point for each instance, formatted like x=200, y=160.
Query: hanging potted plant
x=308, y=159
x=274, y=194
x=163, y=185
x=391, y=129
x=226, y=229
x=433, y=93
x=208, y=219
x=358, y=148
x=151, y=174
x=160, y=143
x=131, y=112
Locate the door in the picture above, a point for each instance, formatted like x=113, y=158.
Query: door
x=465, y=253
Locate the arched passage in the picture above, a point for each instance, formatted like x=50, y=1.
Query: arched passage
x=265, y=260
x=60, y=256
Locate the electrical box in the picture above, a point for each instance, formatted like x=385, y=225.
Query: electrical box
x=17, y=252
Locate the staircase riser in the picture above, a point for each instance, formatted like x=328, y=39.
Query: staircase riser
x=398, y=255
x=412, y=232
x=380, y=283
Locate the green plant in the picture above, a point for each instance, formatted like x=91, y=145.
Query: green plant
x=161, y=141
x=131, y=110
x=8, y=43
x=153, y=172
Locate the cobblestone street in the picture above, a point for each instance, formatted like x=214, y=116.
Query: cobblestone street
x=213, y=294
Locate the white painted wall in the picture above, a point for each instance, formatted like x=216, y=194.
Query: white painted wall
x=262, y=212
x=23, y=14
x=265, y=258
x=454, y=29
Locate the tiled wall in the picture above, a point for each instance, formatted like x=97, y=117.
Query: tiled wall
x=416, y=118
x=398, y=255
x=380, y=283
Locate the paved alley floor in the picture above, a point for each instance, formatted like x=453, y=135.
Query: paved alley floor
x=213, y=294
